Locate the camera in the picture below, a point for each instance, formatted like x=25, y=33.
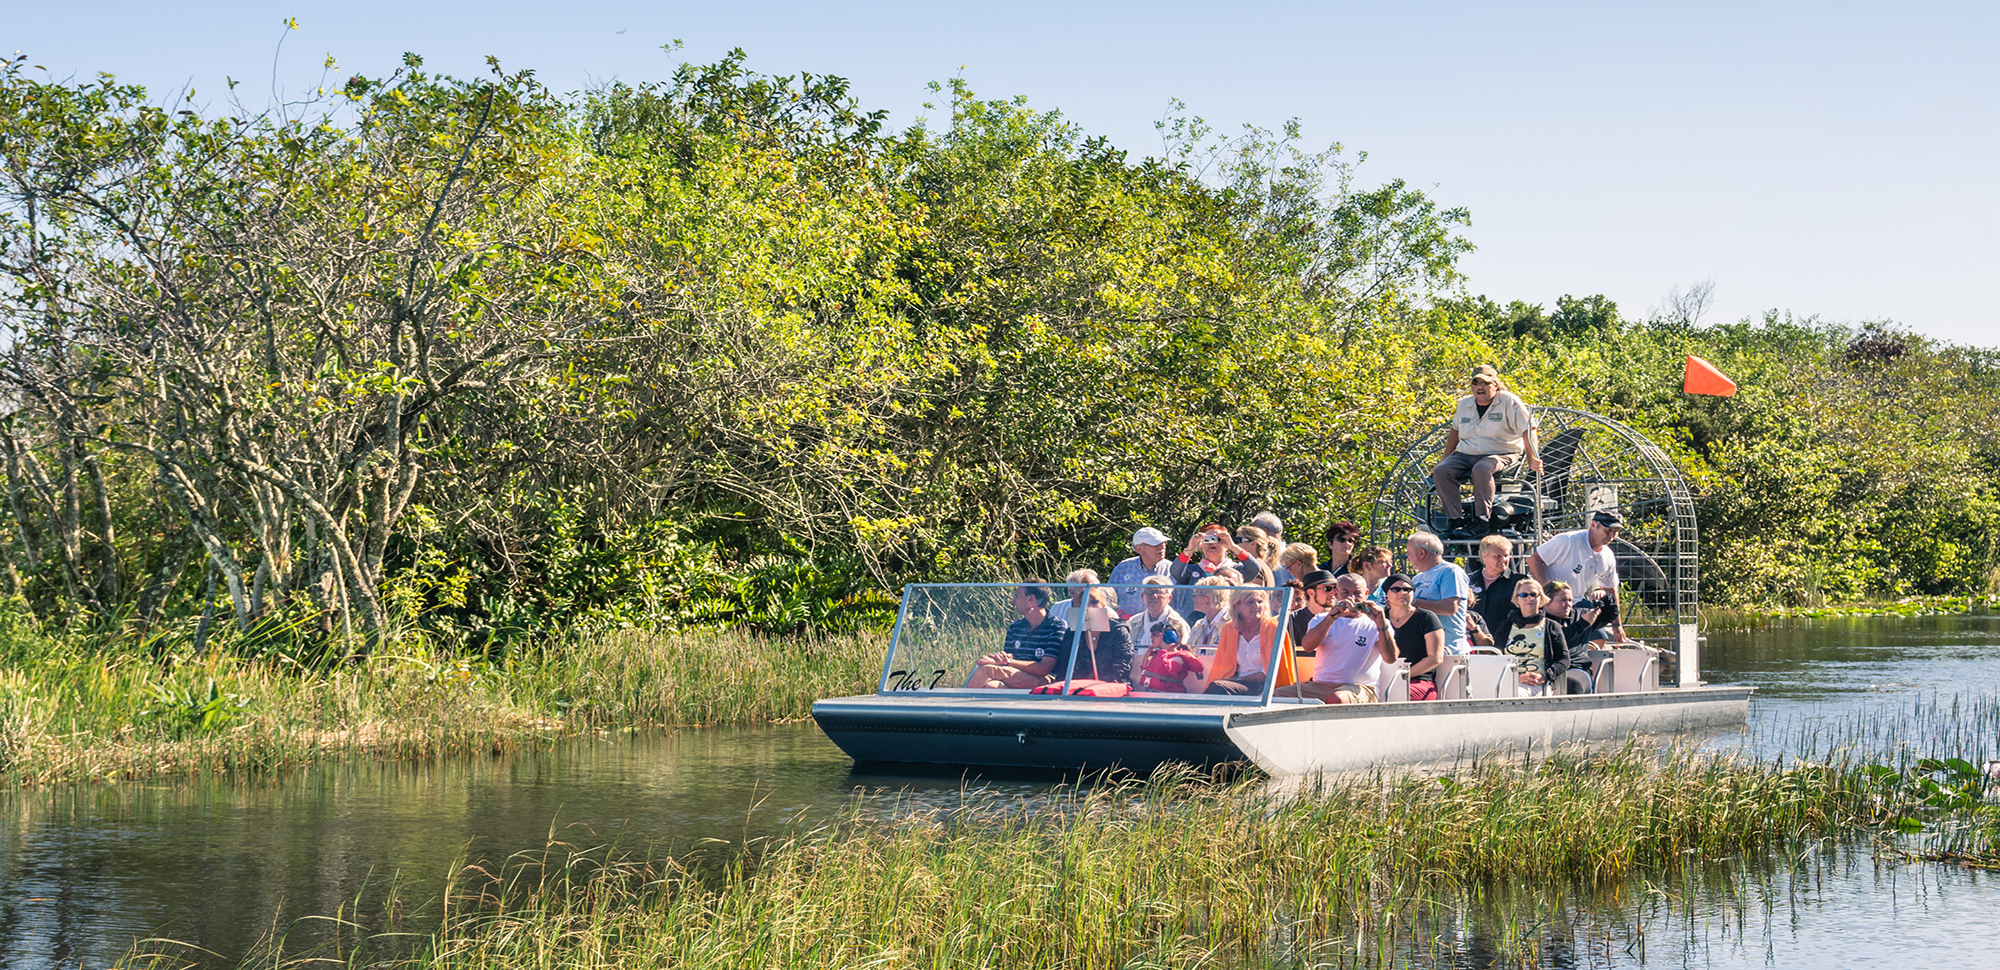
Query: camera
x=1343, y=606
x=1210, y=539
x=1588, y=604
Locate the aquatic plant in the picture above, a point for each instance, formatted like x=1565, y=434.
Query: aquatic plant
x=1174, y=870
x=70, y=713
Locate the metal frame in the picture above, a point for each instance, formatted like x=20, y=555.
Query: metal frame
x=1657, y=553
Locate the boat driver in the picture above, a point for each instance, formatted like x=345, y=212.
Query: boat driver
x=1035, y=649
x=1491, y=431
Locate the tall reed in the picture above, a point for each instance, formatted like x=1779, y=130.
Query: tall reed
x=70, y=712
x=1172, y=871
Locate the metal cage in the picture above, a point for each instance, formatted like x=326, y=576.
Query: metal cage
x=1589, y=462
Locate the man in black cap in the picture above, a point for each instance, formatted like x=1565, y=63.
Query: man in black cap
x=1314, y=603
x=1584, y=560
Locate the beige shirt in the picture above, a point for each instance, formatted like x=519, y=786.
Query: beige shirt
x=1501, y=432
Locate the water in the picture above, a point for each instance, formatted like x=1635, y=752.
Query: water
x=89, y=871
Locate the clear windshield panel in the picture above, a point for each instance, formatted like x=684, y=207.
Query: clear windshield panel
x=973, y=638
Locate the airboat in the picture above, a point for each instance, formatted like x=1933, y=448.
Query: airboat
x=922, y=712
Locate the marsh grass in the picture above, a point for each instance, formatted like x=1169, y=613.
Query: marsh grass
x=1175, y=870
x=73, y=713
x=1752, y=617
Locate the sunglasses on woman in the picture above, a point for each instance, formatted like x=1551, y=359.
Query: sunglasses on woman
x=1402, y=589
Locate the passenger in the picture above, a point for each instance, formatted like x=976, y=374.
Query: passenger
x=1211, y=599
x=1583, y=559
x=1535, y=640
x=1581, y=626
x=1161, y=654
x=1493, y=583
x=1419, y=636
x=1079, y=583
x=1351, y=642
x=1271, y=524
x=1341, y=538
x=1297, y=560
x=1442, y=588
x=1254, y=547
x=1274, y=531
x=1491, y=430
x=1149, y=546
x=1255, y=573
x=1477, y=633
x=1207, y=551
x=1533, y=602
x=1157, y=616
x=1109, y=655
x=1035, y=649
x=1249, y=640
x=1373, y=565
x=1312, y=600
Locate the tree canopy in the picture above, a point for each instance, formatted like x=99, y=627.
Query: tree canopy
x=453, y=358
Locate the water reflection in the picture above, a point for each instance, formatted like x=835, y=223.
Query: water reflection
x=86, y=872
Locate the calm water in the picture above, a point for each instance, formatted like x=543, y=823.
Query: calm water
x=87, y=872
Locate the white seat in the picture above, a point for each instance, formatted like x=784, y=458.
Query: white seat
x=1635, y=669
x=1450, y=677
x=1491, y=677
x=1395, y=682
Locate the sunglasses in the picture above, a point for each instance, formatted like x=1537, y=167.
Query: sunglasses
x=1527, y=596
x=1402, y=589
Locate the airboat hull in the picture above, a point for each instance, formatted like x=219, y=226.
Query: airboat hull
x=1071, y=733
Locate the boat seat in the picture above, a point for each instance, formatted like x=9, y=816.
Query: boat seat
x=1633, y=668
x=1484, y=677
x=1395, y=682
x=1600, y=680
x=1489, y=676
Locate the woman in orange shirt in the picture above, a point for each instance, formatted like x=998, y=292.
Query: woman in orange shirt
x=1243, y=663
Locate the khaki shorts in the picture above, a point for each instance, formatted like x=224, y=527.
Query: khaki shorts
x=1333, y=693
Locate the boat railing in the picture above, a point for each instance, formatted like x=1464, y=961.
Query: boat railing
x=943, y=630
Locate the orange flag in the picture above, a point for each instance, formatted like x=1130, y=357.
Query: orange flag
x=1703, y=378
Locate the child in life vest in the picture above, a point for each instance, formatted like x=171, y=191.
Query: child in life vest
x=1167, y=665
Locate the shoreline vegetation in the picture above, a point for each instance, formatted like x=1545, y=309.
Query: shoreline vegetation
x=73, y=714
x=1179, y=869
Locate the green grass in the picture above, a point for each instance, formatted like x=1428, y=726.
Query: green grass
x=73, y=713
x=1170, y=871
x=1746, y=617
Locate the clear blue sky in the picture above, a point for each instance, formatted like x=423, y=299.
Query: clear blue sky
x=1826, y=158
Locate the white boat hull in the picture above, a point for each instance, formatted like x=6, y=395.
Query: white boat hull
x=1300, y=741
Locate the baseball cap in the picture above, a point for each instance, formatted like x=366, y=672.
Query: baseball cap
x=1149, y=536
x=1606, y=517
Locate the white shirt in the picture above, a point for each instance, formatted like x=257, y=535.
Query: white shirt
x=1348, y=654
x=1249, y=657
x=1570, y=559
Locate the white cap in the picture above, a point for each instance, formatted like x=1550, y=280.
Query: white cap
x=1149, y=536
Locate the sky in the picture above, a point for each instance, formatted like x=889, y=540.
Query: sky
x=1832, y=159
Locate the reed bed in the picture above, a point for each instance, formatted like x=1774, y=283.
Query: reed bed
x=71, y=713
x=1171, y=871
